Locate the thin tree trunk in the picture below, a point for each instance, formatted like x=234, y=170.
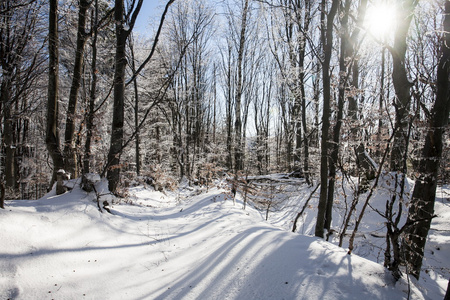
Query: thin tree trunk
x=343, y=84
x=239, y=151
x=2, y=195
x=136, y=113
x=92, y=95
x=381, y=100
x=229, y=114
x=327, y=41
x=421, y=209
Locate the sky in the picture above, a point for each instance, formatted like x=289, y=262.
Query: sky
x=150, y=10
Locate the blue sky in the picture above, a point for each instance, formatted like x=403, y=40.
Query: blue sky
x=150, y=10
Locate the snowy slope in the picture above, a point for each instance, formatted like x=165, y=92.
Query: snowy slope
x=174, y=246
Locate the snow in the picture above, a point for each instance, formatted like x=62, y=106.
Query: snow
x=186, y=245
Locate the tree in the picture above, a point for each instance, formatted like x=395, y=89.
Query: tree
x=327, y=44
x=239, y=143
x=123, y=29
x=344, y=69
x=402, y=85
x=293, y=32
x=70, y=153
x=21, y=59
x=52, y=132
x=124, y=25
x=421, y=210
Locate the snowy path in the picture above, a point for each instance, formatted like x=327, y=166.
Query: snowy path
x=201, y=247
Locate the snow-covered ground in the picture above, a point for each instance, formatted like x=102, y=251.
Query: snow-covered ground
x=189, y=245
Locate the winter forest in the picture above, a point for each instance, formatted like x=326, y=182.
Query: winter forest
x=341, y=98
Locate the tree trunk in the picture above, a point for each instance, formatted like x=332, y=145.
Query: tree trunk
x=92, y=94
x=363, y=161
x=119, y=95
x=327, y=41
x=402, y=85
x=8, y=132
x=229, y=117
x=136, y=113
x=70, y=153
x=421, y=210
x=343, y=85
x=447, y=294
x=52, y=133
x=2, y=195
x=239, y=151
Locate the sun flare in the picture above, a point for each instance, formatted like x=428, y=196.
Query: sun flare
x=380, y=20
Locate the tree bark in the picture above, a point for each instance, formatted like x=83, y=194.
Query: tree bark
x=239, y=151
x=92, y=95
x=327, y=41
x=402, y=85
x=2, y=195
x=8, y=132
x=115, y=149
x=136, y=112
x=52, y=132
x=421, y=210
x=122, y=32
x=343, y=85
x=70, y=153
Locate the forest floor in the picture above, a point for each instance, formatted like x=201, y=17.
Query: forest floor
x=200, y=244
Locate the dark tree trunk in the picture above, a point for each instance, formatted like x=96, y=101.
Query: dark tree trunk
x=70, y=153
x=363, y=161
x=2, y=195
x=402, y=85
x=421, y=210
x=8, y=132
x=92, y=95
x=52, y=133
x=119, y=92
x=343, y=85
x=447, y=294
x=327, y=42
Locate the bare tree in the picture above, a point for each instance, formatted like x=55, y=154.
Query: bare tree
x=421, y=210
x=21, y=58
x=239, y=143
x=52, y=137
x=327, y=44
x=402, y=85
x=69, y=137
x=124, y=21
